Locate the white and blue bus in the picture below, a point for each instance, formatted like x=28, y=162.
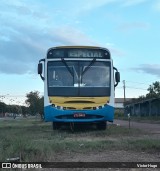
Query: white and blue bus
x=79, y=85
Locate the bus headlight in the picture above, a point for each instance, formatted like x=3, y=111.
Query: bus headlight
x=58, y=107
x=99, y=107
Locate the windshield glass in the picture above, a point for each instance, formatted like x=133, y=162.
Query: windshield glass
x=58, y=76
x=97, y=75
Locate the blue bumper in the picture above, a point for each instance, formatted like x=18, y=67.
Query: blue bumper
x=54, y=115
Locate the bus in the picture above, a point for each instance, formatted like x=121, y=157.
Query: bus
x=79, y=85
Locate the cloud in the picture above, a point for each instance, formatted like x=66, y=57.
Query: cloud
x=128, y=3
x=156, y=6
x=152, y=69
x=90, y=4
x=22, y=50
x=115, y=52
x=29, y=29
x=71, y=36
x=26, y=37
x=87, y=5
x=132, y=26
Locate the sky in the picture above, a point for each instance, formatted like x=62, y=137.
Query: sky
x=130, y=29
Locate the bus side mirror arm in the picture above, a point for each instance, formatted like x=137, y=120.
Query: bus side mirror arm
x=42, y=77
x=40, y=68
x=117, y=76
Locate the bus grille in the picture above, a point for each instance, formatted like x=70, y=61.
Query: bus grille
x=86, y=117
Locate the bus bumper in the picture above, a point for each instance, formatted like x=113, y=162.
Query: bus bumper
x=58, y=115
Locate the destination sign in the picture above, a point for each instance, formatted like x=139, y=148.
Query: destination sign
x=78, y=53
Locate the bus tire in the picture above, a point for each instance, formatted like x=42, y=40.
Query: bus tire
x=101, y=125
x=55, y=125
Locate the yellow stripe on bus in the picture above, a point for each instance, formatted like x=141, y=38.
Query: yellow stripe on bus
x=78, y=102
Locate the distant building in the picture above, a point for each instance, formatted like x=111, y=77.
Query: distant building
x=119, y=102
x=146, y=107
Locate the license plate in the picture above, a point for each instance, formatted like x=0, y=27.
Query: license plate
x=79, y=115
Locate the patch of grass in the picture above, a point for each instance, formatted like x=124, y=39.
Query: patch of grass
x=36, y=141
x=149, y=145
x=147, y=119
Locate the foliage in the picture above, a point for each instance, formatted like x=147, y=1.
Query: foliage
x=154, y=90
x=25, y=110
x=119, y=113
x=35, y=103
x=2, y=107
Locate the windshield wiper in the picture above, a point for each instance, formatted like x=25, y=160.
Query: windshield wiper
x=86, y=69
x=70, y=71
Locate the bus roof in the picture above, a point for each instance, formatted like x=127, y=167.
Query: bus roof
x=78, y=51
x=91, y=47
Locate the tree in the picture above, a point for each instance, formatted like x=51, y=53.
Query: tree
x=35, y=103
x=41, y=107
x=154, y=90
x=25, y=110
x=2, y=108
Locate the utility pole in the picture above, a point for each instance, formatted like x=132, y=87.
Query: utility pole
x=124, y=89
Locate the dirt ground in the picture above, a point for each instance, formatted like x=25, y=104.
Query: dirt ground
x=107, y=156
x=147, y=127
x=151, y=130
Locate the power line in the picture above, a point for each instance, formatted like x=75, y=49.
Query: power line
x=131, y=87
x=136, y=82
x=146, y=83
x=136, y=88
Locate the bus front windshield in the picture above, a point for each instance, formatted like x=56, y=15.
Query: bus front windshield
x=78, y=74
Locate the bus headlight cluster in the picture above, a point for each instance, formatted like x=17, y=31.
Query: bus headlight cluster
x=59, y=107
x=64, y=108
x=99, y=107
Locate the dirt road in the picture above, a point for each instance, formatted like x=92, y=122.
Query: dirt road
x=147, y=127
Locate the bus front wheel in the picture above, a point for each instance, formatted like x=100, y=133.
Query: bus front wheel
x=101, y=125
x=55, y=125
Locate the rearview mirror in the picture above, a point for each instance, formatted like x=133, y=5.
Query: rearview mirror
x=117, y=76
x=40, y=68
